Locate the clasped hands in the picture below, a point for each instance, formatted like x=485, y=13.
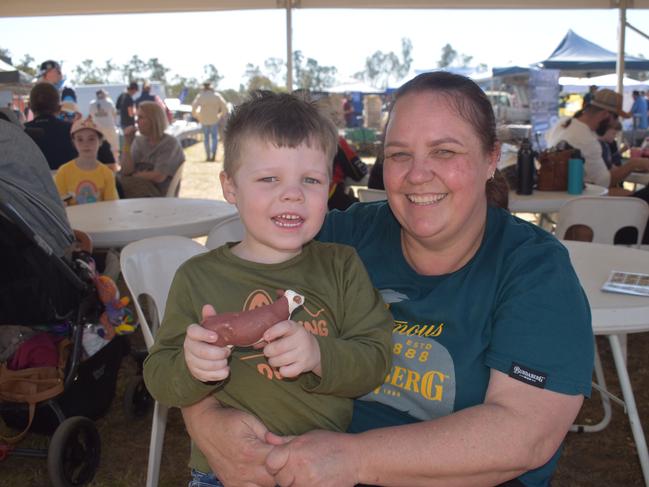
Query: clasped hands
x=239, y=448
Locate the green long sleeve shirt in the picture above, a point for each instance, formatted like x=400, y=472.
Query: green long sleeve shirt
x=342, y=310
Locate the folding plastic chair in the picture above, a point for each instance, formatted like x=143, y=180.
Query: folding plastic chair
x=605, y=216
x=174, y=186
x=148, y=267
x=229, y=230
x=368, y=194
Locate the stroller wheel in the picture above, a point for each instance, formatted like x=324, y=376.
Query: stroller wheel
x=73, y=454
x=137, y=400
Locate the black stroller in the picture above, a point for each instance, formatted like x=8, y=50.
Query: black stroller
x=45, y=283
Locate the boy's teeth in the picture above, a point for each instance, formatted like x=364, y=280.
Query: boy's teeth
x=423, y=199
x=288, y=220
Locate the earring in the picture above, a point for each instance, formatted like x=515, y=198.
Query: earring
x=493, y=176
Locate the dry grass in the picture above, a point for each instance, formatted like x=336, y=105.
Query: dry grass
x=607, y=458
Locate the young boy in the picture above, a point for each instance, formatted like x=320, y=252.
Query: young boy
x=277, y=168
x=85, y=179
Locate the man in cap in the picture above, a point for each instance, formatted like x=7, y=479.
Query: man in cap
x=581, y=133
x=209, y=108
x=50, y=71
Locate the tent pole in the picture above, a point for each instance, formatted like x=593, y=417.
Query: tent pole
x=289, y=47
x=621, y=34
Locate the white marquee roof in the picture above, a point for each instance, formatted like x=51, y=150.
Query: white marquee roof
x=27, y=8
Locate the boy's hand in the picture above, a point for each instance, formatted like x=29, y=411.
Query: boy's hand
x=205, y=361
x=292, y=349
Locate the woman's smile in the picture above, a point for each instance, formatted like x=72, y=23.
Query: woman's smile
x=426, y=199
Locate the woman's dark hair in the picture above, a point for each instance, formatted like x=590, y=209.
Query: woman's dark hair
x=473, y=105
x=468, y=99
x=44, y=99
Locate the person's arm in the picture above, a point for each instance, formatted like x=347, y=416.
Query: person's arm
x=153, y=176
x=232, y=441
x=635, y=164
x=518, y=428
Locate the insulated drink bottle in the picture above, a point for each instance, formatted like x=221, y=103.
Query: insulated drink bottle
x=525, y=166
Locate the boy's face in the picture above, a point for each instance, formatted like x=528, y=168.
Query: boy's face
x=281, y=194
x=86, y=142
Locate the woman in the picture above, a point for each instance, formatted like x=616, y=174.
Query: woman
x=154, y=156
x=492, y=340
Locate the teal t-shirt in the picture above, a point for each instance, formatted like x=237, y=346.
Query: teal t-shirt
x=516, y=306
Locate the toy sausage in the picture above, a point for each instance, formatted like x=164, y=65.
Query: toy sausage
x=245, y=328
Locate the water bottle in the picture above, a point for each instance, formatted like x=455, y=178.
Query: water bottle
x=525, y=167
x=575, y=173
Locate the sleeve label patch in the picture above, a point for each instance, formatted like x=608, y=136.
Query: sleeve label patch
x=527, y=375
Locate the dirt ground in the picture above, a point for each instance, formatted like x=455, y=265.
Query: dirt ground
x=607, y=458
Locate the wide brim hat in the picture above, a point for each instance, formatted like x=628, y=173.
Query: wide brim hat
x=85, y=124
x=609, y=100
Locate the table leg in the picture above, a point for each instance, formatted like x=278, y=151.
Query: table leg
x=629, y=399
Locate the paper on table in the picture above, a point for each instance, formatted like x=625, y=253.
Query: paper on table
x=627, y=283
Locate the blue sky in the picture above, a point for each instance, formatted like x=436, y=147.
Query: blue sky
x=185, y=42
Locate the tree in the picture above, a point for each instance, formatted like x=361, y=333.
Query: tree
x=87, y=73
x=134, y=69
x=256, y=79
x=25, y=65
x=212, y=74
x=157, y=72
x=109, y=69
x=380, y=67
x=276, y=68
x=449, y=55
x=5, y=55
x=310, y=76
x=181, y=84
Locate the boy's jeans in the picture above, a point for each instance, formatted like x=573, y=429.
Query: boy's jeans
x=200, y=479
x=210, y=134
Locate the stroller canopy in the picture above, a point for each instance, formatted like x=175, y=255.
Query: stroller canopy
x=27, y=185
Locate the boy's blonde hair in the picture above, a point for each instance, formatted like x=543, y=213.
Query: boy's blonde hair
x=158, y=118
x=283, y=120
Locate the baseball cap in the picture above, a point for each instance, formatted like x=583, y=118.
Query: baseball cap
x=609, y=100
x=47, y=65
x=85, y=123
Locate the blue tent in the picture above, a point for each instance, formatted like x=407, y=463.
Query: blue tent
x=576, y=54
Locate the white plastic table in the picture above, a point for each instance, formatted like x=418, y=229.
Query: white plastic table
x=615, y=315
x=116, y=223
x=548, y=201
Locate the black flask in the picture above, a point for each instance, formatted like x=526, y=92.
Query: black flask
x=525, y=166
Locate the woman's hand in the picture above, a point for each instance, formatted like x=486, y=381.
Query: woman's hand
x=315, y=458
x=232, y=441
x=205, y=361
x=292, y=349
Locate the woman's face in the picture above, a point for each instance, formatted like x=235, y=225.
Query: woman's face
x=143, y=122
x=435, y=170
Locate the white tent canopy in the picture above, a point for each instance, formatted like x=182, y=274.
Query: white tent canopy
x=29, y=8
x=353, y=86
x=580, y=85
